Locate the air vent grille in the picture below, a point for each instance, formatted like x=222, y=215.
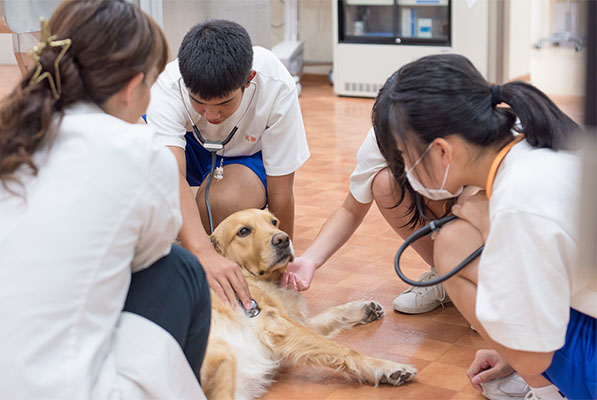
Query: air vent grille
x=362, y=87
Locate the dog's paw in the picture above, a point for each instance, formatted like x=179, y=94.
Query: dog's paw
x=372, y=312
x=399, y=374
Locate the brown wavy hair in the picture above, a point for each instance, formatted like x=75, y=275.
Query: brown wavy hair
x=112, y=41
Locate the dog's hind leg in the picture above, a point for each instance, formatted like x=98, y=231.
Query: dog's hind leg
x=218, y=373
x=336, y=319
x=295, y=343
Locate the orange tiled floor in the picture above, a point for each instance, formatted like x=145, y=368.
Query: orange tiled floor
x=439, y=343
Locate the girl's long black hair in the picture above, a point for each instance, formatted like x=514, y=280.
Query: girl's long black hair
x=441, y=95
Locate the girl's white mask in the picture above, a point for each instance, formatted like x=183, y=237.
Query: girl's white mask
x=432, y=194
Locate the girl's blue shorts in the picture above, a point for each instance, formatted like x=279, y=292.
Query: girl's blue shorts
x=574, y=367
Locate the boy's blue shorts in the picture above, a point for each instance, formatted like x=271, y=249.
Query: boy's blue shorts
x=199, y=162
x=574, y=367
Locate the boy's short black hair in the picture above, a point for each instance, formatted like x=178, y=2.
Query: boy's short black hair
x=215, y=58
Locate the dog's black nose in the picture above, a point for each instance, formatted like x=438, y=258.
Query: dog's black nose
x=280, y=240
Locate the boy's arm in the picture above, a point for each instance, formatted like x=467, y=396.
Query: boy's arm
x=281, y=200
x=223, y=275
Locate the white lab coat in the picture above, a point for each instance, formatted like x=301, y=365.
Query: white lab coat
x=103, y=205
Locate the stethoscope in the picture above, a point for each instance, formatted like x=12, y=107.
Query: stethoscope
x=213, y=146
x=434, y=226
x=430, y=228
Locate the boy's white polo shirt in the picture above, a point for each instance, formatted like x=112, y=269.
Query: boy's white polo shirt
x=273, y=122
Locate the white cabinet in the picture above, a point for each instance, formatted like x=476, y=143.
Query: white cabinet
x=374, y=38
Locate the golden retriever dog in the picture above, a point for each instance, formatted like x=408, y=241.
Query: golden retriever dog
x=244, y=353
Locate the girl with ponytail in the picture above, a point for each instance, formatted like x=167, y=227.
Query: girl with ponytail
x=94, y=299
x=525, y=295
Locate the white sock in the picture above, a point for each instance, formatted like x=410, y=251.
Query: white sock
x=549, y=392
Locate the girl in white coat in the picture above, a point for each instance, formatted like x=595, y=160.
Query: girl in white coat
x=94, y=300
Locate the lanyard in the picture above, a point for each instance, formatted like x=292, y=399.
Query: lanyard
x=496, y=163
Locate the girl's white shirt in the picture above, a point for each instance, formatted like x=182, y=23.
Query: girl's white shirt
x=529, y=276
x=369, y=163
x=104, y=204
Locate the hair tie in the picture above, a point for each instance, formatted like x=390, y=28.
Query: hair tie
x=48, y=40
x=496, y=96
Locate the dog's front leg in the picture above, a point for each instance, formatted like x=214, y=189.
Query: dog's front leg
x=295, y=343
x=336, y=319
x=218, y=373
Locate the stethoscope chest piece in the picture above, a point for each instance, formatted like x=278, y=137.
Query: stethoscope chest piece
x=253, y=311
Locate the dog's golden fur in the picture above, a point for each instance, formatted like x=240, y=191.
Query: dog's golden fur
x=243, y=353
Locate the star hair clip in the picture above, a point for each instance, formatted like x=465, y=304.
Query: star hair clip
x=48, y=40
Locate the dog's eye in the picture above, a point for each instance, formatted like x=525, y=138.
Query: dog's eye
x=274, y=222
x=244, y=231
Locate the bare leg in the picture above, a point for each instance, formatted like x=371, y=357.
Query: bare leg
x=535, y=381
x=334, y=320
x=453, y=244
x=415, y=300
x=239, y=190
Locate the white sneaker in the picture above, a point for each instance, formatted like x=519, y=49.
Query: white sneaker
x=530, y=396
x=507, y=388
x=418, y=300
x=548, y=392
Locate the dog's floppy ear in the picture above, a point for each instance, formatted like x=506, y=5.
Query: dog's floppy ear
x=216, y=244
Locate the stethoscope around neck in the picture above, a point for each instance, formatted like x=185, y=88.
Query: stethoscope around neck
x=213, y=146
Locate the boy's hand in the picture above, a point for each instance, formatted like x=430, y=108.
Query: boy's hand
x=298, y=275
x=226, y=279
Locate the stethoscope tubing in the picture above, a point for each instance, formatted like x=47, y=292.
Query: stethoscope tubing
x=424, y=231
x=213, y=147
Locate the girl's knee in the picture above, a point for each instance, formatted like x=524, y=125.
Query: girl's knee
x=453, y=243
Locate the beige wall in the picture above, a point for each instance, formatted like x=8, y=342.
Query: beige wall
x=6, y=51
x=180, y=15
x=556, y=70
x=314, y=27
x=517, y=61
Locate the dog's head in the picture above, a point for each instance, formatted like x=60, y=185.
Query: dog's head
x=252, y=239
